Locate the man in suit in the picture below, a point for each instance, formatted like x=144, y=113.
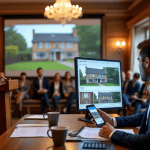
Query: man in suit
x=132, y=141
x=133, y=87
x=41, y=88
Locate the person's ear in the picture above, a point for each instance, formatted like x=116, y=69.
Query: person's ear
x=147, y=62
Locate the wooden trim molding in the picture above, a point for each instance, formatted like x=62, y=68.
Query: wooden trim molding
x=1, y=44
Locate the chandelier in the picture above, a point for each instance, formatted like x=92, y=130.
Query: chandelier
x=62, y=11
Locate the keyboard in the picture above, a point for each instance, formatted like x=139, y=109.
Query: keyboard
x=97, y=145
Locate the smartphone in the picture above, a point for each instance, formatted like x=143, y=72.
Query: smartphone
x=96, y=116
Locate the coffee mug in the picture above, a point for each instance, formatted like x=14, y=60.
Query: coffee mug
x=59, y=134
x=52, y=117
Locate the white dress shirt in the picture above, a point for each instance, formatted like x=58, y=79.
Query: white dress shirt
x=40, y=83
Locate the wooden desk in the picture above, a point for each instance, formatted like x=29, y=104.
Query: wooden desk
x=69, y=120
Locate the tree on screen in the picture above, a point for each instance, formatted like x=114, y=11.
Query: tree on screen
x=116, y=96
x=112, y=75
x=90, y=41
x=13, y=38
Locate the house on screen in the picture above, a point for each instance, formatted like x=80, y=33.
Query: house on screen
x=55, y=47
x=86, y=97
x=97, y=76
x=106, y=97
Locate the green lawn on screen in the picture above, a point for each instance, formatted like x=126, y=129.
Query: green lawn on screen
x=71, y=60
x=110, y=84
x=34, y=65
x=89, y=85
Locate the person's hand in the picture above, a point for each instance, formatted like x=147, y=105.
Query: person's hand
x=22, y=92
x=40, y=91
x=106, y=130
x=105, y=117
x=144, y=100
x=66, y=95
x=44, y=90
x=134, y=97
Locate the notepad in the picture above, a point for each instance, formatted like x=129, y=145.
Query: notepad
x=93, y=133
x=35, y=117
x=32, y=125
x=30, y=132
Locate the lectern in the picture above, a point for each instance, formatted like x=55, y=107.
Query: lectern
x=5, y=104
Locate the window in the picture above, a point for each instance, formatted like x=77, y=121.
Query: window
x=47, y=45
x=40, y=55
x=101, y=97
x=70, y=45
x=93, y=75
x=71, y=54
x=86, y=95
x=90, y=75
x=103, y=80
x=56, y=44
x=102, y=75
x=39, y=45
x=91, y=80
x=139, y=34
x=147, y=34
x=62, y=45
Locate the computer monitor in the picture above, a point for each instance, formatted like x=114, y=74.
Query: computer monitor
x=98, y=82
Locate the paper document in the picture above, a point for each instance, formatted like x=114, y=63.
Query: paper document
x=30, y=132
x=36, y=117
x=32, y=125
x=93, y=133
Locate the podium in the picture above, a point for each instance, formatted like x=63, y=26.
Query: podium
x=5, y=104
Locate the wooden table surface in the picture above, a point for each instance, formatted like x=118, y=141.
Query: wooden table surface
x=45, y=143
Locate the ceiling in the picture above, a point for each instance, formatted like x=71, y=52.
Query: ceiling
x=107, y=7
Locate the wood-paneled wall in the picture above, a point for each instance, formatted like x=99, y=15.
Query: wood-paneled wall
x=1, y=44
x=114, y=30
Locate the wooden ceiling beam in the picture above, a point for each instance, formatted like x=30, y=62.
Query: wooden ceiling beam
x=74, y=1
x=133, y=5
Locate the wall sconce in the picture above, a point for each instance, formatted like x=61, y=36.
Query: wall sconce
x=120, y=45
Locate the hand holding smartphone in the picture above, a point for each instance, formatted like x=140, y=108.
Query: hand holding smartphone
x=96, y=116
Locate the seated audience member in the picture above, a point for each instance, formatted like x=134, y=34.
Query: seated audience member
x=22, y=92
x=142, y=99
x=56, y=90
x=68, y=91
x=128, y=83
x=41, y=88
x=133, y=88
x=123, y=77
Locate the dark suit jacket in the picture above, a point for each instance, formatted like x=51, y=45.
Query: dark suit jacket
x=36, y=86
x=52, y=89
x=140, y=141
x=130, y=90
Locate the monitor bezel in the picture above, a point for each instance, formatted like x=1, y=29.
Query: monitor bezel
x=76, y=81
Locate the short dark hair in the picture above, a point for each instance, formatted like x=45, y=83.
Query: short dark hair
x=144, y=46
x=23, y=74
x=136, y=75
x=39, y=69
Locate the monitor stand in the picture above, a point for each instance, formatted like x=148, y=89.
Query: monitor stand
x=87, y=118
